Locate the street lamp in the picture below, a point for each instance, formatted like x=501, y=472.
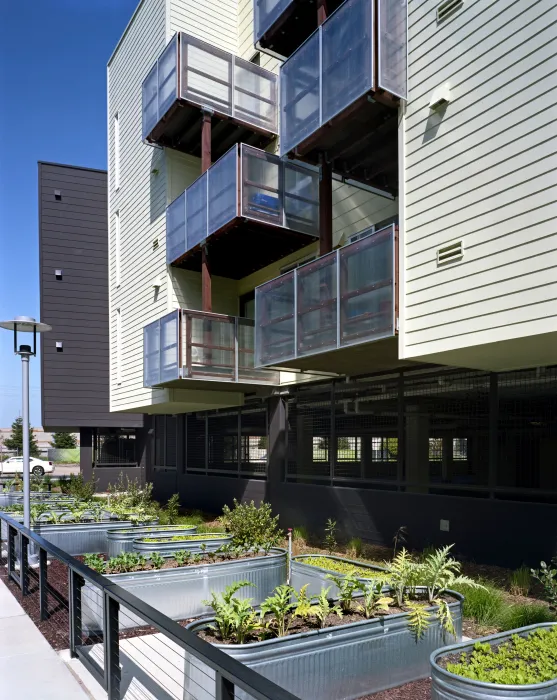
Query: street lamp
x=25, y=324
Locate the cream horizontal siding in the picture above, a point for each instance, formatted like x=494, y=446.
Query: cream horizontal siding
x=246, y=47
x=483, y=172
x=214, y=21
x=141, y=200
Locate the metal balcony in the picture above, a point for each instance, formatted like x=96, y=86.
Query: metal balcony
x=192, y=75
x=250, y=209
x=339, y=92
x=320, y=315
x=195, y=346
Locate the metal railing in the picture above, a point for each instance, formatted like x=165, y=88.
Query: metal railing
x=199, y=73
x=161, y=653
x=344, y=298
x=249, y=183
x=188, y=344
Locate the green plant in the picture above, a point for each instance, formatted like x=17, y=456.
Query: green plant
x=400, y=538
x=126, y=562
x=355, y=547
x=78, y=488
x=157, y=560
x=225, y=607
x=129, y=495
x=516, y=616
x=181, y=557
x=300, y=534
x=520, y=661
x=171, y=512
x=520, y=581
x=15, y=441
x=323, y=608
x=439, y=571
x=304, y=607
x=339, y=565
x=347, y=585
x=95, y=562
x=374, y=601
x=251, y=526
x=547, y=576
x=403, y=575
x=483, y=605
x=279, y=606
x=418, y=618
x=330, y=535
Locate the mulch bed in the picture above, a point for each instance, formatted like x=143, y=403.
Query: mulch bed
x=418, y=690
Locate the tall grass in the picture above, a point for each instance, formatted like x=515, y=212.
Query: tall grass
x=485, y=606
x=355, y=547
x=515, y=616
x=300, y=534
x=520, y=581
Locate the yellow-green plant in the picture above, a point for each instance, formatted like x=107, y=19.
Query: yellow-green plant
x=323, y=608
x=279, y=606
x=230, y=611
x=373, y=598
x=347, y=586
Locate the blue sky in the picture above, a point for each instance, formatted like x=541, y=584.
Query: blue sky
x=53, y=56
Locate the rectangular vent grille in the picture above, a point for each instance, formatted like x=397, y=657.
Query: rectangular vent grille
x=447, y=8
x=450, y=253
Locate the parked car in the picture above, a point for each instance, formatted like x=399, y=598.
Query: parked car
x=14, y=465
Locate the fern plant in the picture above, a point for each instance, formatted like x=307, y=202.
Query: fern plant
x=418, y=618
x=439, y=571
x=224, y=607
x=279, y=606
x=245, y=620
x=347, y=585
x=323, y=608
x=403, y=576
x=373, y=600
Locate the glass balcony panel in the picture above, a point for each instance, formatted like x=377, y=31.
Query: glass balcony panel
x=223, y=190
x=266, y=13
x=261, y=192
x=301, y=199
x=149, y=102
x=206, y=75
x=275, y=322
x=151, y=354
x=367, y=288
x=246, y=356
x=196, y=212
x=255, y=95
x=212, y=348
x=347, y=64
x=169, y=333
x=176, y=229
x=317, y=306
x=300, y=95
x=393, y=46
x=168, y=77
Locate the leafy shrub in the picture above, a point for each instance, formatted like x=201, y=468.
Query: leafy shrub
x=95, y=562
x=252, y=526
x=234, y=618
x=330, y=535
x=547, y=576
x=520, y=661
x=520, y=581
x=171, y=512
x=157, y=560
x=279, y=606
x=482, y=605
x=516, y=616
x=129, y=495
x=78, y=488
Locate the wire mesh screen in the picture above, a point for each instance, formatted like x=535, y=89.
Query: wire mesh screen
x=275, y=320
x=393, y=46
x=176, y=229
x=149, y=91
x=195, y=443
x=255, y=95
x=151, y=354
x=265, y=13
x=114, y=446
x=223, y=190
x=170, y=351
x=196, y=212
x=159, y=89
x=309, y=438
x=253, y=442
x=246, y=356
x=317, y=305
x=301, y=198
x=261, y=186
x=212, y=348
x=206, y=76
x=223, y=442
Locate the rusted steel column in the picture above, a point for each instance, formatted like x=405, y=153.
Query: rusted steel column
x=206, y=296
x=325, y=207
x=321, y=11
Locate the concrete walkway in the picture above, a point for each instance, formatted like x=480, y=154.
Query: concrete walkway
x=29, y=666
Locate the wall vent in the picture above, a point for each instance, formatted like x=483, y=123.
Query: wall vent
x=447, y=8
x=155, y=243
x=450, y=253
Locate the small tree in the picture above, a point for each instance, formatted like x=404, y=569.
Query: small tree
x=63, y=441
x=15, y=441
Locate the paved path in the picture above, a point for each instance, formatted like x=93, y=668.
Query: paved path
x=29, y=666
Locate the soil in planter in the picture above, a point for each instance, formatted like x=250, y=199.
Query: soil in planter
x=418, y=690
x=299, y=625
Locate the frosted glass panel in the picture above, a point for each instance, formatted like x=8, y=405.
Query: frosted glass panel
x=274, y=321
x=167, y=77
x=346, y=56
x=176, y=229
x=301, y=199
x=206, y=75
x=265, y=14
x=317, y=305
x=255, y=95
x=196, y=212
x=223, y=190
x=212, y=352
x=261, y=196
x=299, y=95
x=169, y=347
x=393, y=46
x=151, y=354
x=149, y=102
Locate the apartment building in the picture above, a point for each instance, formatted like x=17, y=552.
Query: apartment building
x=73, y=269
x=332, y=260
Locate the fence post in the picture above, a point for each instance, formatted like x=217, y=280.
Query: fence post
x=23, y=565
x=111, y=609
x=11, y=550
x=75, y=584
x=224, y=688
x=43, y=584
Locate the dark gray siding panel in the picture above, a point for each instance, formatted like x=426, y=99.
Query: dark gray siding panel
x=73, y=237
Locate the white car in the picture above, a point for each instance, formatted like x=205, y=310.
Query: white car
x=14, y=465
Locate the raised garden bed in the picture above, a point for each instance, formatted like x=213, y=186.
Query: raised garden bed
x=344, y=661
x=179, y=592
x=121, y=540
x=209, y=542
x=80, y=538
x=303, y=572
x=504, y=660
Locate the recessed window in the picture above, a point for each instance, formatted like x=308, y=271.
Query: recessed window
x=116, y=151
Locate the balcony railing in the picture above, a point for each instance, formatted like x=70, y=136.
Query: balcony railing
x=188, y=344
x=335, y=67
x=269, y=208
x=345, y=298
x=193, y=73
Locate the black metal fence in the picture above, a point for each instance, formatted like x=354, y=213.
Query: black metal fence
x=157, y=654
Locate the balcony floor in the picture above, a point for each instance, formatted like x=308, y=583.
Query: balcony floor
x=204, y=384
x=243, y=247
x=180, y=129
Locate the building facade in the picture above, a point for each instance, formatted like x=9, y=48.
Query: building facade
x=73, y=268
x=332, y=261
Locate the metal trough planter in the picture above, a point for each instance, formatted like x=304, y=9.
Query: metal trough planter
x=178, y=593
x=338, y=663
x=316, y=577
x=121, y=540
x=80, y=538
x=194, y=546
x=449, y=686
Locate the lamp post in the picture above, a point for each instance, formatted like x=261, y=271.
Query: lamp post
x=25, y=324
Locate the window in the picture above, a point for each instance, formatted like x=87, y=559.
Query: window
x=118, y=346
x=113, y=447
x=348, y=449
x=384, y=449
x=460, y=449
x=116, y=151
x=117, y=246
x=435, y=449
x=320, y=449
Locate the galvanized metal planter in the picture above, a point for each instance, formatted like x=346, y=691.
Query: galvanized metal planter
x=340, y=663
x=80, y=538
x=449, y=686
x=211, y=545
x=178, y=593
x=121, y=540
x=316, y=577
